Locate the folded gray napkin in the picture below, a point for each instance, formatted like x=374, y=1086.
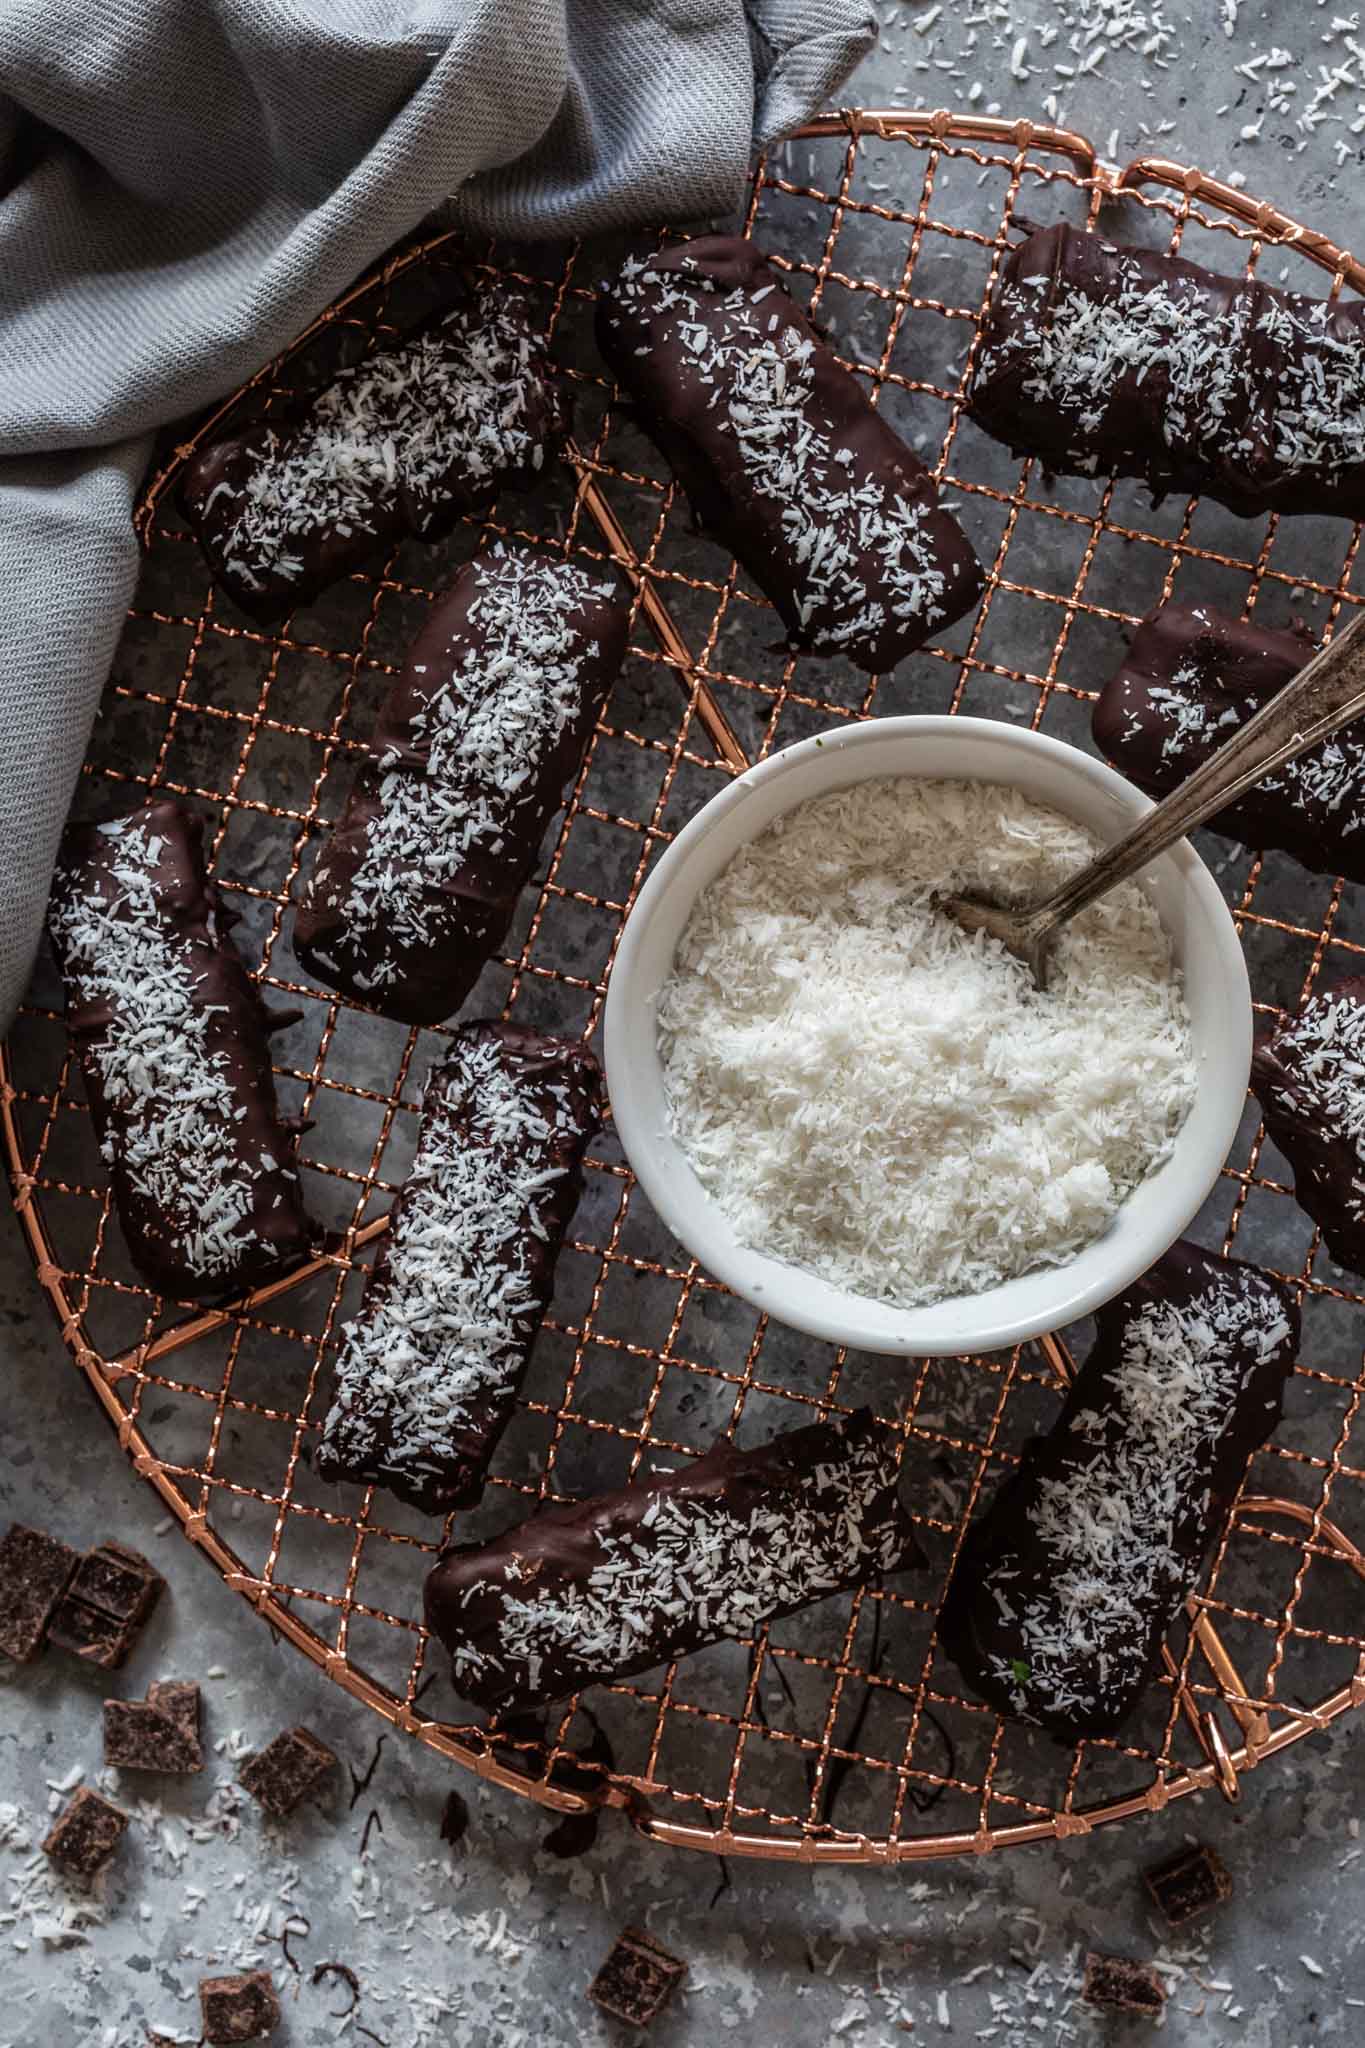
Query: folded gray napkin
x=187, y=183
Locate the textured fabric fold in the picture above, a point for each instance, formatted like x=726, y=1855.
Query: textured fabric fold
x=185, y=184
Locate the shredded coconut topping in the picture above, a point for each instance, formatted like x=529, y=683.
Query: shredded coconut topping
x=1115, y=1530
x=441, y=1336
x=487, y=727
x=694, y=1566
x=761, y=384
x=179, y=1145
x=454, y=401
x=872, y=1094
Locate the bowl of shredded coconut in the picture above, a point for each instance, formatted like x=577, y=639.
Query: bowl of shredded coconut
x=869, y=1123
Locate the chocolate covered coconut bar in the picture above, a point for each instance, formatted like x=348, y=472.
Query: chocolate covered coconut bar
x=1309, y=1076
x=782, y=456
x=400, y=445
x=601, y=1589
x=415, y=887
x=1190, y=679
x=1067, y=1586
x=1106, y=360
x=172, y=1040
x=428, y=1371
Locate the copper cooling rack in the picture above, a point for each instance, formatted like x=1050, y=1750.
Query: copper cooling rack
x=844, y=1734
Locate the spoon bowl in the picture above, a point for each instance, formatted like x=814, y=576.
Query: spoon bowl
x=998, y=921
x=1204, y=944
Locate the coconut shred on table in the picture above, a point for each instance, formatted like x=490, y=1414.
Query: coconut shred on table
x=871, y=1094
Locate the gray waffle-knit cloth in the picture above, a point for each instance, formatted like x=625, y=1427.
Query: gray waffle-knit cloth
x=187, y=183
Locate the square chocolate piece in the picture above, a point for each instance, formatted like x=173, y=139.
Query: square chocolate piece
x=637, y=1980
x=288, y=1770
x=148, y=1735
x=241, y=2008
x=1191, y=1882
x=85, y=1835
x=1116, y=1984
x=104, y=1607
x=35, y=1571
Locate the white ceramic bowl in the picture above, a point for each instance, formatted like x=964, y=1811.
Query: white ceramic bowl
x=1205, y=944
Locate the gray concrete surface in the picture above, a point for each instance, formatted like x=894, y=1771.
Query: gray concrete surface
x=492, y=1941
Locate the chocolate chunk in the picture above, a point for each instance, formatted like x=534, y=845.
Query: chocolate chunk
x=1308, y=1075
x=103, y=1610
x=160, y=1733
x=1067, y=1585
x=601, y=1589
x=1190, y=1883
x=241, y=2008
x=1189, y=681
x=181, y=1699
x=428, y=1372
x=288, y=1770
x=172, y=1043
x=405, y=443
x=85, y=1835
x=35, y=1571
x=119, y=1582
x=783, y=457
x=1108, y=360
x=638, y=1978
x=1114, y=1984
x=415, y=887
x=88, y=1634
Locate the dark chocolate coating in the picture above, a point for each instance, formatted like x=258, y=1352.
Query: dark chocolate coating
x=813, y=1512
x=1190, y=679
x=172, y=1041
x=1103, y=359
x=428, y=1372
x=402, y=444
x=414, y=888
x=782, y=456
x=1068, y=1584
x=1306, y=1076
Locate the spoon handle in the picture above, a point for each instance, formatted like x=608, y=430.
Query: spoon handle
x=1325, y=695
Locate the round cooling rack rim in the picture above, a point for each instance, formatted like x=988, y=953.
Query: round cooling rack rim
x=1219, y=1724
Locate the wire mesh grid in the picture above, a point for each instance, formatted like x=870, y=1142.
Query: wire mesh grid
x=843, y=1733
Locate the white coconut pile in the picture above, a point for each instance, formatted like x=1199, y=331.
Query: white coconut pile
x=873, y=1095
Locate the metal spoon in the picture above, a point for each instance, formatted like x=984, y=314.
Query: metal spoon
x=1325, y=694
